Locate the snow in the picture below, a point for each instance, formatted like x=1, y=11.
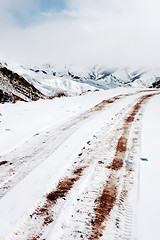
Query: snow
x=22, y=120
x=68, y=86
x=47, y=172
x=42, y=77
x=149, y=189
x=74, y=80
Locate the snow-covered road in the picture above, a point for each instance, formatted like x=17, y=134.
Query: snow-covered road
x=75, y=178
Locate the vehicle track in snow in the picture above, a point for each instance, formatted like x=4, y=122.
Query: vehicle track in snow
x=93, y=193
x=18, y=163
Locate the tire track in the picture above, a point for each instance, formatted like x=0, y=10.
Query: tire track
x=125, y=217
x=106, y=201
x=20, y=162
x=94, y=207
x=102, y=198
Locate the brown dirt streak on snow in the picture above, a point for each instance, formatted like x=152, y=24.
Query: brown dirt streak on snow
x=122, y=142
x=106, y=201
x=108, y=197
x=81, y=117
x=62, y=189
x=104, y=204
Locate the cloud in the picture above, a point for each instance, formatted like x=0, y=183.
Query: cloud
x=115, y=32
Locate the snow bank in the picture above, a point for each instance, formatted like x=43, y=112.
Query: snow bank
x=149, y=190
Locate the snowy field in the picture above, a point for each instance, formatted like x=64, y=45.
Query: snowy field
x=95, y=142
x=149, y=192
x=22, y=120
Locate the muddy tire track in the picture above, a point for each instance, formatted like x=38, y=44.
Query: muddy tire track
x=107, y=199
x=111, y=193
x=101, y=199
x=20, y=162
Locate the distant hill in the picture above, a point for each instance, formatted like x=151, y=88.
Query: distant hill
x=47, y=81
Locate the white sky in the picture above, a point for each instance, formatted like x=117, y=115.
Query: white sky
x=124, y=32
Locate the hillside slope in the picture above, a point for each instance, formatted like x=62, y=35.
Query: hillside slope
x=75, y=80
x=14, y=87
x=31, y=83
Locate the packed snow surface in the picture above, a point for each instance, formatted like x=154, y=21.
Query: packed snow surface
x=22, y=120
x=149, y=190
x=49, y=142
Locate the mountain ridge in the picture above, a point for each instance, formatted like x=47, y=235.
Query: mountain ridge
x=48, y=81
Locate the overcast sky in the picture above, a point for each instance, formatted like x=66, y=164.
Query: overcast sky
x=124, y=32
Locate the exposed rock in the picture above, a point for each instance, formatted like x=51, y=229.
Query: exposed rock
x=156, y=84
x=14, y=87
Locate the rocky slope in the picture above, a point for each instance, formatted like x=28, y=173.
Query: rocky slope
x=15, y=87
x=156, y=84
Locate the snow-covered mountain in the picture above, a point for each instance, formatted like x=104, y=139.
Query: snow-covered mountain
x=53, y=80
x=69, y=80
x=98, y=76
x=156, y=84
x=15, y=87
